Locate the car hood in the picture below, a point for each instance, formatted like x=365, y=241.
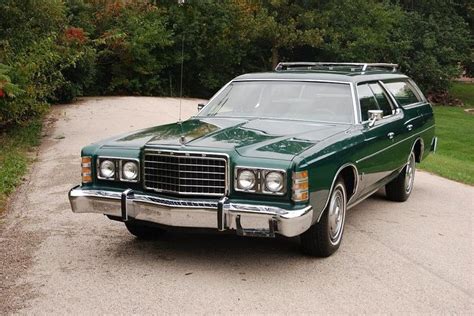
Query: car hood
x=277, y=139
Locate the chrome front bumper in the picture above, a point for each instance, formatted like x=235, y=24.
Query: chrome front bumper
x=245, y=219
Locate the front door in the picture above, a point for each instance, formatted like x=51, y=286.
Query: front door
x=380, y=156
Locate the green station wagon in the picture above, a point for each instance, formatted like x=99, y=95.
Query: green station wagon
x=285, y=152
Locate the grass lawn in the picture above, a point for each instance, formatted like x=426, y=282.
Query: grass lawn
x=454, y=158
x=14, y=148
x=464, y=92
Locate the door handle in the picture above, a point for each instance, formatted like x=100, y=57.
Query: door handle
x=410, y=127
x=391, y=135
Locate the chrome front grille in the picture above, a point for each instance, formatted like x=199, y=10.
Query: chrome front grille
x=185, y=173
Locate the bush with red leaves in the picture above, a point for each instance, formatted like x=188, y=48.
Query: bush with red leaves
x=75, y=34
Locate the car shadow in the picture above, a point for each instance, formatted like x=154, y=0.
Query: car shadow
x=218, y=249
x=178, y=246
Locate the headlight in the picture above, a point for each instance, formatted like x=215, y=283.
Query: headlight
x=274, y=181
x=246, y=180
x=107, y=169
x=260, y=180
x=130, y=171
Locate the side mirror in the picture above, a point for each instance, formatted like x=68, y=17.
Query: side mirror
x=374, y=115
x=200, y=106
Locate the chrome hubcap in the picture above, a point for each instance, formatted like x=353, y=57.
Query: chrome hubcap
x=410, y=173
x=337, y=210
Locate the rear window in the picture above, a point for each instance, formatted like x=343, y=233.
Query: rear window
x=403, y=92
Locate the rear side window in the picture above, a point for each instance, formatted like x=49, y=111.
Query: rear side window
x=403, y=92
x=372, y=97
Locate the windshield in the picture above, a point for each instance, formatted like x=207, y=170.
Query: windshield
x=309, y=101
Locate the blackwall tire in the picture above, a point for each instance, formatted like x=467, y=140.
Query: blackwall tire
x=400, y=188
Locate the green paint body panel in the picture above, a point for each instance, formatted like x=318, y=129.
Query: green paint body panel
x=324, y=149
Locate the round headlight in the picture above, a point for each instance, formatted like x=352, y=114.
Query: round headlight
x=107, y=169
x=130, y=171
x=246, y=180
x=274, y=181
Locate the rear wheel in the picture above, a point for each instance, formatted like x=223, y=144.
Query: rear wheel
x=142, y=231
x=400, y=188
x=324, y=238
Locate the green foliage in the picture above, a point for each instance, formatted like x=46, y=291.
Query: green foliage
x=7, y=88
x=361, y=30
x=46, y=61
x=285, y=24
x=56, y=50
x=133, y=44
x=429, y=41
x=436, y=45
x=216, y=48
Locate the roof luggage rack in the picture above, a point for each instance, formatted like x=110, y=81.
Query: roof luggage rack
x=360, y=67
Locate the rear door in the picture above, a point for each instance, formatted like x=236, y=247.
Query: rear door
x=412, y=104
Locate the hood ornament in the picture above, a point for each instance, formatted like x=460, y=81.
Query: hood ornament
x=182, y=140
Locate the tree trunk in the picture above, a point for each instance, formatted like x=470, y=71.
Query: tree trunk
x=275, y=57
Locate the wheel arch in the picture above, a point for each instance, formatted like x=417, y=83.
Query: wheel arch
x=418, y=148
x=350, y=175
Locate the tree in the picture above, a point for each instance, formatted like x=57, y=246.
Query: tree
x=284, y=24
x=134, y=47
x=362, y=30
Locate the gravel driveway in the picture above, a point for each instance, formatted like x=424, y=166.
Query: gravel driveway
x=395, y=257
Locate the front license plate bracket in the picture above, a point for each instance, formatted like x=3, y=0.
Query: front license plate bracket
x=259, y=232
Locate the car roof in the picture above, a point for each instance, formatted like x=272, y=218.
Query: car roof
x=310, y=75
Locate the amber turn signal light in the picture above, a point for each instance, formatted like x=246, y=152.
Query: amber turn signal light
x=300, y=186
x=86, y=170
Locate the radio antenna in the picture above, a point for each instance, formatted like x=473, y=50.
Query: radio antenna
x=182, y=139
x=181, y=79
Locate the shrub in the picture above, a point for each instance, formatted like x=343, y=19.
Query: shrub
x=133, y=43
x=45, y=60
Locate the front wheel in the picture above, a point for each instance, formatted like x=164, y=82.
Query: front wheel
x=324, y=238
x=400, y=188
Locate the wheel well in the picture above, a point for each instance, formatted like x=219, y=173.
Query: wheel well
x=349, y=176
x=418, y=149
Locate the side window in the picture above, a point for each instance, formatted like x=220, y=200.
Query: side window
x=403, y=92
x=367, y=101
x=381, y=98
x=417, y=90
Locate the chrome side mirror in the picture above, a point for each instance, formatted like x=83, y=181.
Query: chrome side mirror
x=374, y=115
x=200, y=106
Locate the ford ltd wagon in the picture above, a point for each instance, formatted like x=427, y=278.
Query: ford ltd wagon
x=286, y=152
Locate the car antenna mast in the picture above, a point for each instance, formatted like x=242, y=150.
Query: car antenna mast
x=182, y=138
